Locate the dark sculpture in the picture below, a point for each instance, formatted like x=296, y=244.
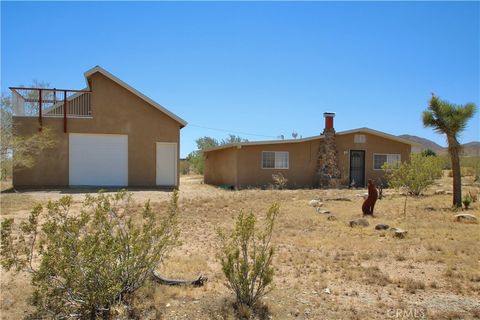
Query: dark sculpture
x=369, y=203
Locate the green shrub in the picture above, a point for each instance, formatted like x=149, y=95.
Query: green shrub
x=414, y=176
x=467, y=200
x=90, y=261
x=429, y=153
x=184, y=167
x=247, y=258
x=196, y=161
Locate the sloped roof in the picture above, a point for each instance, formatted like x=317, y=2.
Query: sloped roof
x=358, y=130
x=107, y=74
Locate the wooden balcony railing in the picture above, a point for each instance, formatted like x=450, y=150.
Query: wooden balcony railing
x=51, y=103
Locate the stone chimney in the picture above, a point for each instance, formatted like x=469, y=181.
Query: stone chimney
x=328, y=172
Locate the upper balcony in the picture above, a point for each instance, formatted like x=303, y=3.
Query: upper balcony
x=51, y=103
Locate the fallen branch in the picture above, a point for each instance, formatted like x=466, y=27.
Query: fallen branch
x=338, y=199
x=198, y=282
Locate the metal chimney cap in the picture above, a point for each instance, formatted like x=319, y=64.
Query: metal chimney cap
x=329, y=114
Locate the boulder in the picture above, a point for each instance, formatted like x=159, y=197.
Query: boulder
x=466, y=218
x=361, y=222
x=331, y=217
x=315, y=203
x=440, y=191
x=399, y=233
x=382, y=226
x=322, y=211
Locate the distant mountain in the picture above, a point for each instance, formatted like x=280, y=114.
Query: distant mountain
x=469, y=149
x=472, y=148
x=425, y=143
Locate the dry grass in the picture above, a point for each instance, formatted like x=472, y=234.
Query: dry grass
x=368, y=272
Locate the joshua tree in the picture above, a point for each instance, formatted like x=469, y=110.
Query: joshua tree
x=450, y=119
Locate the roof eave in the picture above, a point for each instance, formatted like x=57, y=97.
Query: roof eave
x=364, y=129
x=257, y=143
x=379, y=133
x=104, y=72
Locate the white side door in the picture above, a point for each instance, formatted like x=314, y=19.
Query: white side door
x=166, y=164
x=98, y=159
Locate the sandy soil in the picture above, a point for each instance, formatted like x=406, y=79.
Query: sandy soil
x=433, y=273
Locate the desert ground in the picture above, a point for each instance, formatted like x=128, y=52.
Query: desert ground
x=324, y=269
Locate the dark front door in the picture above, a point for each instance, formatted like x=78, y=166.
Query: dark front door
x=357, y=168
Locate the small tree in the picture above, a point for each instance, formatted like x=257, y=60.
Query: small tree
x=429, y=153
x=5, y=135
x=20, y=151
x=232, y=139
x=196, y=157
x=27, y=148
x=413, y=177
x=247, y=258
x=82, y=265
x=450, y=119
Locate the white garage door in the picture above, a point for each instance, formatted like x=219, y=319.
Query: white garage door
x=166, y=164
x=98, y=159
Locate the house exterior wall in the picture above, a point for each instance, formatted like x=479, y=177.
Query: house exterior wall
x=115, y=110
x=373, y=144
x=303, y=156
x=221, y=168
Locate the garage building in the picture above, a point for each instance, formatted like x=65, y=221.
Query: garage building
x=108, y=134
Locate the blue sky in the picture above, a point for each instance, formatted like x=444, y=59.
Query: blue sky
x=264, y=68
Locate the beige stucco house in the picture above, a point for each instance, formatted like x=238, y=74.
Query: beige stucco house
x=108, y=134
x=348, y=158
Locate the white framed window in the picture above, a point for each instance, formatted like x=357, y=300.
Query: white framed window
x=359, y=138
x=274, y=160
x=379, y=159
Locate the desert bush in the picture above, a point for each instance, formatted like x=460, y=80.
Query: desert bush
x=464, y=172
x=474, y=196
x=468, y=171
x=429, y=153
x=246, y=257
x=279, y=181
x=414, y=176
x=412, y=285
x=83, y=265
x=184, y=167
x=467, y=200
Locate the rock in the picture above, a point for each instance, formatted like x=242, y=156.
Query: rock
x=331, y=218
x=429, y=208
x=327, y=291
x=399, y=233
x=365, y=195
x=382, y=226
x=440, y=191
x=361, y=222
x=322, y=211
x=315, y=203
x=466, y=218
